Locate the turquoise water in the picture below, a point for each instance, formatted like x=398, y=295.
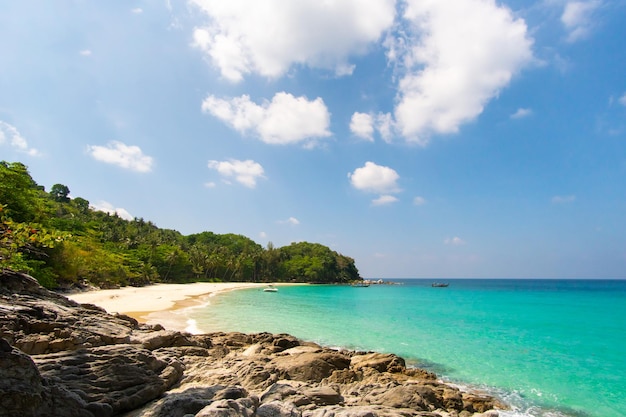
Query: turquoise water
x=548, y=347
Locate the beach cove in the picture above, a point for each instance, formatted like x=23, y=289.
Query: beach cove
x=59, y=357
x=158, y=303
x=550, y=348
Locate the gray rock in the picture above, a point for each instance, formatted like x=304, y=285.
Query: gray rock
x=380, y=361
x=324, y=395
x=310, y=366
x=122, y=376
x=180, y=403
x=278, y=409
x=243, y=407
x=24, y=392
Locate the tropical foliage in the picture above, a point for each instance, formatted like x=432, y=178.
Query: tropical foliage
x=62, y=241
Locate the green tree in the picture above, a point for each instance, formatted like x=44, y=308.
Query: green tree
x=60, y=193
x=19, y=193
x=82, y=205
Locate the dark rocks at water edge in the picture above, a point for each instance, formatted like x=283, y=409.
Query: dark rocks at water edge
x=60, y=358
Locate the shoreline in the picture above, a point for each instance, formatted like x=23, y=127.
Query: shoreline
x=276, y=369
x=160, y=303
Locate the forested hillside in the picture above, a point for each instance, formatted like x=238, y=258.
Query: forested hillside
x=62, y=241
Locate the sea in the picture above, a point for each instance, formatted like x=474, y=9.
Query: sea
x=548, y=348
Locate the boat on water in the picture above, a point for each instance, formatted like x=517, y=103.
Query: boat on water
x=440, y=284
x=270, y=288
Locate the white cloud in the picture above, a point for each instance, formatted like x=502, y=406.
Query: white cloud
x=563, y=199
x=269, y=37
x=111, y=209
x=284, y=120
x=454, y=241
x=263, y=235
x=577, y=18
x=120, y=154
x=521, y=113
x=384, y=125
x=210, y=184
x=419, y=201
x=85, y=52
x=292, y=220
x=11, y=136
x=384, y=200
x=622, y=100
x=137, y=10
x=362, y=125
x=375, y=179
x=461, y=54
x=245, y=172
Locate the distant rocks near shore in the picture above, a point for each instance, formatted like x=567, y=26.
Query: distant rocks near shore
x=60, y=358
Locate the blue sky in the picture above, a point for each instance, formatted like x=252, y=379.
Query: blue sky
x=465, y=138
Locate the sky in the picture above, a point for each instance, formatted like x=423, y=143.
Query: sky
x=423, y=138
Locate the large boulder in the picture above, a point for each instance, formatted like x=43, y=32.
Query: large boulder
x=122, y=376
x=382, y=362
x=24, y=392
x=311, y=366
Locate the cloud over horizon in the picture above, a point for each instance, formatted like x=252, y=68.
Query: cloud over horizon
x=107, y=207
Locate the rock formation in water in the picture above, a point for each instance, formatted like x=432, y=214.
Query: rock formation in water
x=60, y=358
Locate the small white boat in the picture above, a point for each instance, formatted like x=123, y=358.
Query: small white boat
x=270, y=288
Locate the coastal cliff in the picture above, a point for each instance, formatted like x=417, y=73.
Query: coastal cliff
x=61, y=358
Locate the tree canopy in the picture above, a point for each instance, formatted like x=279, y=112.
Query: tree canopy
x=61, y=241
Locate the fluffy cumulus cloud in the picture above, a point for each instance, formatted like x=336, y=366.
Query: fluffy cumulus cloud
x=111, y=209
x=419, y=201
x=377, y=179
x=269, y=37
x=11, y=136
x=460, y=55
x=622, y=100
x=244, y=172
x=577, y=18
x=117, y=153
x=284, y=120
x=364, y=125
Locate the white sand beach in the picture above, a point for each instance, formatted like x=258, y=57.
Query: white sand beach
x=159, y=303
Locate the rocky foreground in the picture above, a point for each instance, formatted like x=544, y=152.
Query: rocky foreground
x=60, y=358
